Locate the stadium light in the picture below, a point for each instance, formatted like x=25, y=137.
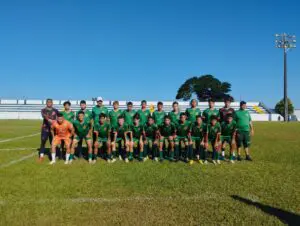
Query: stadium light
x=286, y=42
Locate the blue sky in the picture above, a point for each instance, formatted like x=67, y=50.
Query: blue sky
x=131, y=50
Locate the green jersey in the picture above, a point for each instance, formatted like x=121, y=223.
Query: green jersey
x=167, y=130
x=137, y=131
x=82, y=128
x=192, y=113
x=158, y=117
x=208, y=113
x=198, y=130
x=183, y=129
x=87, y=114
x=121, y=130
x=150, y=130
x=128, y=116
x=69, y=116
x=228, y=128
x=113, y=117
x=102, y=129
x=143, y=116
x=174, y=117
x=213, y=131
x=243, y=119
x=96, y=111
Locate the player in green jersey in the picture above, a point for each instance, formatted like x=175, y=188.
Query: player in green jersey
x=121, y=138
x=213, y=135
x=197, y=135
x=193, y=111
x=210, y=111
x=114, y=114
x=167, y=131
x=143, y=112
x=159, y=114
x=102, y=132
x=228, y=134
x=87, y=113
x=98, y=109
x=183, y=139
x=244, y=129
x=136, y=136
x=82, y=131
x=175, y=113
x=151, y=138
x=129, y=113
x=68, y=114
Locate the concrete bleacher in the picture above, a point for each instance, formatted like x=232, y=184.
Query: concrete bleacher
x=30, y=109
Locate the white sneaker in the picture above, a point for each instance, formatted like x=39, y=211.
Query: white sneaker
x=52, y=162
x=218, y=161
x=126, y=160
x=232, y=161
x=70, y=161
x=156, y=159
x=120, y=158
x=108, y=160
x=94, y=161
x=66, y=162
x=90, y=161
x=214, y=162
x=205, y=162
x=113, y=160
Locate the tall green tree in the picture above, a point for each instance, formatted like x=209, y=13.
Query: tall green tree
x=204, y=87
x=279, y=108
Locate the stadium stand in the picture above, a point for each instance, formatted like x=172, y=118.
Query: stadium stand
x=30, y=109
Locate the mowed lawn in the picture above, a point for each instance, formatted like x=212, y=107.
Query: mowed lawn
x=265, y=191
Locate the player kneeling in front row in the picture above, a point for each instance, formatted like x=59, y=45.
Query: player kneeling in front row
x=151, y=139
x=62, y=131
x=167, y=132
x=198, y=131
x=82, y=131
x=102, y=131
x=183, y=139
x=228, y=128
x=213, y=135
x=121, y=133
x=136, y=136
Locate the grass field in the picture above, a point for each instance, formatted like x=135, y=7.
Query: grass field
x=265, y=191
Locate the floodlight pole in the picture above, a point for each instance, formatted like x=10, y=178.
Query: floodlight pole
x=285, y=42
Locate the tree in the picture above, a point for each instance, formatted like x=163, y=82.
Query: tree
x=204, y=87
x=279, y=108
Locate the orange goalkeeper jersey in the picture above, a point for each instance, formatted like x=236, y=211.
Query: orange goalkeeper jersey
x=62, y=130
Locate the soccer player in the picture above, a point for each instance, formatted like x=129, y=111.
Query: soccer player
x=121, y=138
x=151, y=138
x=197, y=135
x=114, y=114
x=49, y=114
x=143, y=112
x=82, y=131
x=213, y=135
x=102, y=130
x=159, y=114
x=99, y=109
x=175, y=113
x=136, y=135
x=193, y=111
x=61, y=130
x=129, y=113
x=87, y=113
x=210, y=111
x=226, y=110
x=68, y=114
x=245, y=130
x=228, y=135
x=167, y=132
x=183, y=138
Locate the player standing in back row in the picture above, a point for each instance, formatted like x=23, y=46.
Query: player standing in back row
x=210, y=111
x=159, y=114
x=68, y=114
x=226, y=110
x=175, y=113
x=193, y=111
x=144, y=112
x=99, y=109
x=129, y=113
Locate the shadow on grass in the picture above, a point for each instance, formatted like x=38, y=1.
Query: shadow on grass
x=284, y=216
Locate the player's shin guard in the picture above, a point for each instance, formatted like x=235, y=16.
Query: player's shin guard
x=176, y=152
x=204, y=154
x=145, y=150
x=190, y=152
x=154, y=151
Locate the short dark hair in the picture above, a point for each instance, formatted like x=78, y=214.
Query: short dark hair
x=213, y=117
x=198, y=116
x=121, y=116
x=143, y=101
x=129, y=103
x=59, y=114
x=243, y=102
x=229, y=115
x=211, y=100
x=175, y=102
x=102, y=115
x=160, y=103
x=67, y=102
x=82, y=102
x=167, y=117
x=182, y=114
x=227, y=99
x=49, y=99
x=136, y=116
x=80, y=112
x=150, y=117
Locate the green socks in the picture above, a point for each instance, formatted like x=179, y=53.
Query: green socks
x=90, y=155
x=161, y=154
x=177, y=152
x=114, y=153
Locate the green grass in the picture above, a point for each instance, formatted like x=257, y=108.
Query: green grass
x=151, y=193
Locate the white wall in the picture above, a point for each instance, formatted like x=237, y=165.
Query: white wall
x=297, y=113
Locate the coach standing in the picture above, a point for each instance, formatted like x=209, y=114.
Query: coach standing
x=49, y=114
x=245, y=130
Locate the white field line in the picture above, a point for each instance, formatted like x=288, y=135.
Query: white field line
x=19, y=138
x=17, y=149
x=17, y=160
